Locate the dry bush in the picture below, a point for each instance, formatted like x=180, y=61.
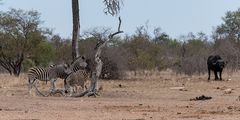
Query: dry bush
x=167, y=74
x=229, y=51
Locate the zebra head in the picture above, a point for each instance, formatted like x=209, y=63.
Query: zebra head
x=79, y=63
x=67, y=69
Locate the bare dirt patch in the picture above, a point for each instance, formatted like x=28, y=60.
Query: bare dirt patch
x=139, y=98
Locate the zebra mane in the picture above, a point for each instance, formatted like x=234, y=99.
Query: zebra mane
x=51, y=66
x=80, y=58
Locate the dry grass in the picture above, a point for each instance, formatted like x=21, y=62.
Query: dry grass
x=141, y=96
x=11, y=81
x=170, y=75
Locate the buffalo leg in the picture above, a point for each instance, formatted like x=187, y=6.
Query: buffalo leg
x=220, y=75
x=209, y=72
x=216, y=76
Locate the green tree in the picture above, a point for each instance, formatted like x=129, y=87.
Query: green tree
x=19, y=35
x=43, y=54
x=142, y=51
x=231, y=26
x=227, y=38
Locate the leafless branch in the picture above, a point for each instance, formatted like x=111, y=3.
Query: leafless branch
x=119, y=31
x=112, y=6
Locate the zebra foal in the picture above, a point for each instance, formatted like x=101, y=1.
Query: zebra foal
x=78, y=78
x=81, y=72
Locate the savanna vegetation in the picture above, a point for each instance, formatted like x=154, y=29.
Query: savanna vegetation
x=25, y=43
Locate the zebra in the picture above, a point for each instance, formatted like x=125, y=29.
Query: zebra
x=55, y=71
x=81, y=71
x=50, y=73
x=78, y=78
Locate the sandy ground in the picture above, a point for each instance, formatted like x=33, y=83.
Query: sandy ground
x=142, y=98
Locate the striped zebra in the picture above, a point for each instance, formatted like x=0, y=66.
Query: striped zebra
x=79, y=63
x=81, y=71
x=50, y=73
x=53, y=72
x=77, y=78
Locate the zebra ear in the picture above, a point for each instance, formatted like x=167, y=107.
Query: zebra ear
x=83, y=57
x=66, y=65
x=51, y=65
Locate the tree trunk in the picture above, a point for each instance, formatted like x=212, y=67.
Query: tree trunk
x=16, y=71
x=17, y=68
x=6, y=66
x=13, y=66
x=76, y=29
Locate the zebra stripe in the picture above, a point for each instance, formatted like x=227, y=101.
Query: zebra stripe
x=79, y=63
x=75, y=79
x=47, y=74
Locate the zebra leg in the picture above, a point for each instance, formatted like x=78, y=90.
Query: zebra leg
x=71, y=91
x=74, y=88
x=38, y=92
x=67, y=86
x=85, y=87
x=30, y=84
x=82, y=84
x=53, y=85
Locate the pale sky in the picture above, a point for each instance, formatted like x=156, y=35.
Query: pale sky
x=175, y=17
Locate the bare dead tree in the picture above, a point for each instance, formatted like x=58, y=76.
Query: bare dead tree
x=92, y=90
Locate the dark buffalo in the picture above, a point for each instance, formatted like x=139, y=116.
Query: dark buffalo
x=216, y=64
